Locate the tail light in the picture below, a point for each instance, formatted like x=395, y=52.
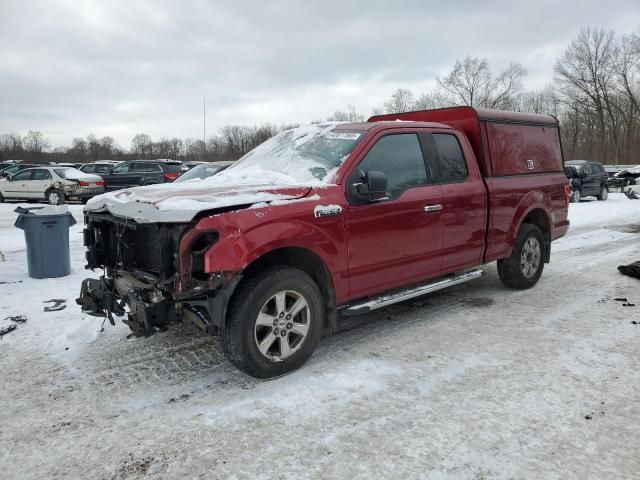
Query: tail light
x=84, y=184
x=99, y=184
x=567, y=192
x=170, y=176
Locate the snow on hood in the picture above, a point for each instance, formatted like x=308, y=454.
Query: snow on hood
x=181, y=202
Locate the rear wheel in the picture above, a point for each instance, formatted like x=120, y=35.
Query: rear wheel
x=55, y=197
x=523, y=269
x=274, y=322
x=604, y=193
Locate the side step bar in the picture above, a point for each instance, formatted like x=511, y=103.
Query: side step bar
x=370, y=304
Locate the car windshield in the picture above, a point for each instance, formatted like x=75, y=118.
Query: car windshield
x=308, y=154
x=201, y=171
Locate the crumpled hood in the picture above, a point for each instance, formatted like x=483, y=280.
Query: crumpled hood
x=181, y=202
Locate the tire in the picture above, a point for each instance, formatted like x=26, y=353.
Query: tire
x=604, y=194
x=1, y=198
x=256, y=300
x=55, y=197
x=575, y=196
x=522, y=270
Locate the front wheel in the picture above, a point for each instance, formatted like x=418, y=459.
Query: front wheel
x=55, y=197
x=604, y=193
x=274, y=322
x=523, y=269
x=575, y=196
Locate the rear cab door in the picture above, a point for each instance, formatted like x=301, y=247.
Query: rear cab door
x=397, y=240
x=453, y=166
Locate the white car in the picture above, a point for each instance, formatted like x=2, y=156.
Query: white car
x=54, y=184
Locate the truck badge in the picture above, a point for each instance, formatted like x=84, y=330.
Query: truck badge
x=530, y=164
x=327, y=210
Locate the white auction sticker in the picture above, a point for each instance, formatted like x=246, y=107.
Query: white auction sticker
x=343, y=135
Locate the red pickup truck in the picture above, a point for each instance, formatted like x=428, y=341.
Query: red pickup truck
x=330, y=220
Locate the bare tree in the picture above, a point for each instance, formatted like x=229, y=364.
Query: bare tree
x=141, y=145
x=348, y=115
x=471, y=82
x=402, y=100
x=35, y=144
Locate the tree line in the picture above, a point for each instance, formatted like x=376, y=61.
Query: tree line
x=595, y=93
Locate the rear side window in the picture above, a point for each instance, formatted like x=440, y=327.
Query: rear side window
x=449, y=165
x=145, y=167
x=40, y=174
x=88, y=168
x=101, y=168
x=400, y=158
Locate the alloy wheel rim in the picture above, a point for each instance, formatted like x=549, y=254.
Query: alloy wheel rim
x=54, y=198
x=282, y=325
x=530, y=257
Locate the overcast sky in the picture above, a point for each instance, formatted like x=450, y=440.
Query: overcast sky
x=118, y=68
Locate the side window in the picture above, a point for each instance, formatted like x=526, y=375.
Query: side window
x=588, y=169
x=88, y=168
x=122, y=168
x=449, y=165
x=145, y=167
x=21, y=176
x=400, y=158
x=40, y=174
x=100, y=169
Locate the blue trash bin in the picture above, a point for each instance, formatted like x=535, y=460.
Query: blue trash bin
x=46, y=233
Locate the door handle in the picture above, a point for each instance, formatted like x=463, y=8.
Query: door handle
x=433, y=208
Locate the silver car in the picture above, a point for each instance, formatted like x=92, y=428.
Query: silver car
x=54, y=184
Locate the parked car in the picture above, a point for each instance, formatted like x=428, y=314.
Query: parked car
x=327, y=221
x=141, y=172
x=587, y=179
x=54, y=184
x=99, y=168
x=203, y=170
x=65, y=164
x=15, y=168
x=4, y=165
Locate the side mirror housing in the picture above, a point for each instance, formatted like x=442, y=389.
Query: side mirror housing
x=374, y=186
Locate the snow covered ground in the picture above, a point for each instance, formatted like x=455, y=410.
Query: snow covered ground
x=475, y=382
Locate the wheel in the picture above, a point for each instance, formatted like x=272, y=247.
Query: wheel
x=1, y=198
x=55, y=197
x=575, y=196
x=523, y=269
x=604, y=194
x=274, y=322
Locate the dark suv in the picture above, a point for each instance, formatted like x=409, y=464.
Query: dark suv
x=587, y=179
x=141, y=172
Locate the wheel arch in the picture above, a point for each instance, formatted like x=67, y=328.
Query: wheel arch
x=307, y=261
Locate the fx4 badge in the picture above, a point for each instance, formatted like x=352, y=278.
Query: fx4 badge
x=327, y=210
x=530, y=164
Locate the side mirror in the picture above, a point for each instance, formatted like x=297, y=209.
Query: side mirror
x=374, y=187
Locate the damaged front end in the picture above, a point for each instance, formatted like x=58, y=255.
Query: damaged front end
x=141, y=262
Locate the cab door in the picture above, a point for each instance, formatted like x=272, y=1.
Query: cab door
x=16, y=187
x=397, y=240
x=464, y=205
x=39, y=183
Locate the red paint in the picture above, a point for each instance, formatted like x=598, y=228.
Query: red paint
x=371, y=248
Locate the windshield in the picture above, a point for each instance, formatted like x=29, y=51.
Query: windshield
x=308, y=154
x=201, y=171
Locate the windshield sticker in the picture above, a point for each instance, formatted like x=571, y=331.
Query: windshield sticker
x=337, y=135
x=321, y=211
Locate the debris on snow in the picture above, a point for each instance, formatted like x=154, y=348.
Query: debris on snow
x=7, y=329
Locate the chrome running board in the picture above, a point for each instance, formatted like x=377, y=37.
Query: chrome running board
x=374, y=303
